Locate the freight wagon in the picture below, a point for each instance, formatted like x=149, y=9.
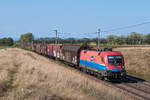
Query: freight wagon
x=38, y=48
x=71, y=53
x=51, y=50
x=44, y=49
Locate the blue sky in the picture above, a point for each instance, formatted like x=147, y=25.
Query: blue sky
x=41, y=17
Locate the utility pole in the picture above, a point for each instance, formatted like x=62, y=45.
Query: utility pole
x=56, y=42
x=32, y=45
x=98, y=38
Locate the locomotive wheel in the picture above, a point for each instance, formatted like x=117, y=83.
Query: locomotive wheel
x=91, y=72
x=81, y=69
x=105, y=78
x=87, y=71
x=99, y=76
x=84, y=70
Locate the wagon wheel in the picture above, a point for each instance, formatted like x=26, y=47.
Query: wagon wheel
x=84, y=70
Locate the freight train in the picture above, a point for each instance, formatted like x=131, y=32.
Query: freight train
x=103, y=63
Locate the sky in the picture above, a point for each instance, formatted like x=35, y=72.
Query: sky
x=76, y=17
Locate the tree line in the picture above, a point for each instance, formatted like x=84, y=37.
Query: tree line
x=6, y=41
x=132, y=39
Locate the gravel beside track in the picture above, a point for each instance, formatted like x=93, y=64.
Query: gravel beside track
x=138, y=88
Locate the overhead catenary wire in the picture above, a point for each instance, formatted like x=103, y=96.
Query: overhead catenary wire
x=127, y=27
x=94, y=34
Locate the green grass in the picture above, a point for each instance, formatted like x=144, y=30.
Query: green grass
x=28, y=48
x=3, y=47
x=139, y=74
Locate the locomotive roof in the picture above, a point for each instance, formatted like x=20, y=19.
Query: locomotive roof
x=105, y=52
x=111, y=53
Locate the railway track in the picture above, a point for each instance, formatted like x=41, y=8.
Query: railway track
x=134, y=78
x=137, y=88
x=135, y=93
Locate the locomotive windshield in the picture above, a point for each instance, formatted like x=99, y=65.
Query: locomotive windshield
x=115, y=60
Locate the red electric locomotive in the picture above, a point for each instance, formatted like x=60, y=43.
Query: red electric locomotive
x=106, y=63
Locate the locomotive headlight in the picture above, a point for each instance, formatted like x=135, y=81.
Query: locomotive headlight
x=123, y=67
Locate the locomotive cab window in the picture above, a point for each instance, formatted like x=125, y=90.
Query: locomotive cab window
x=114, y=60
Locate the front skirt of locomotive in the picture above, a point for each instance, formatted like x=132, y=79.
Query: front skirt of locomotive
x=112, y=75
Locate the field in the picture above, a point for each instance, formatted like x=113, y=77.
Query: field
x=137, y=60
x=25, y=75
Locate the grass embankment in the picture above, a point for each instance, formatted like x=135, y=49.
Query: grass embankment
x=3, y=47
x=137, y=60
x=25, y=75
